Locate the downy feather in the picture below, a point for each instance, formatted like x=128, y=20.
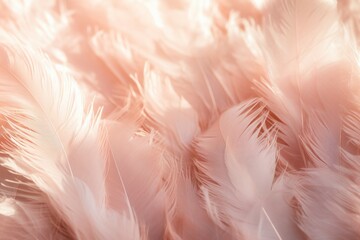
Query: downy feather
x=56, y=143
x=304, y=58
x=236, y=164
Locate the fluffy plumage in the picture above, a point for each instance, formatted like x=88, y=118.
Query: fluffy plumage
x=158, y=119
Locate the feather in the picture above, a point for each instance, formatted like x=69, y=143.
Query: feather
x=136, y=168
x=178, y=124
x=349, y=13
x=278, y=219
x=326, y=194
x=186, y=217
x=56, y=143
x=239, y=177
x=299, y=35
x=156, y=119
x=305, y=37
x=176, y=119
x=31, y=219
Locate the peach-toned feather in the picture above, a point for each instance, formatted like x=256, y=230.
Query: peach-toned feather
x=179, y=119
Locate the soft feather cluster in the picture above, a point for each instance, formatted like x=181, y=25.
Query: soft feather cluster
x=180, y=119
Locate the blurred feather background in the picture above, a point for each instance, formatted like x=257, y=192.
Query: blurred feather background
x=180, y=119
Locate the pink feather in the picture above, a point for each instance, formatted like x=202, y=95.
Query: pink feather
x=179, y=119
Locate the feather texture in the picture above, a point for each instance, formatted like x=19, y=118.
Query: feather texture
x=156, y=119
x=238, y=180
x=56, y=142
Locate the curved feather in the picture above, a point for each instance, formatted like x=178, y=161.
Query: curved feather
x=56, y=143
x=305, y=60
x=237, y=160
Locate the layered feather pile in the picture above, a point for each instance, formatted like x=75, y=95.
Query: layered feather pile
x=181, y=120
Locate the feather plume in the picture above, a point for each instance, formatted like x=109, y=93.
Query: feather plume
x=157, y=119
x=56, y=143
x=238, y=178
x=305, y=37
